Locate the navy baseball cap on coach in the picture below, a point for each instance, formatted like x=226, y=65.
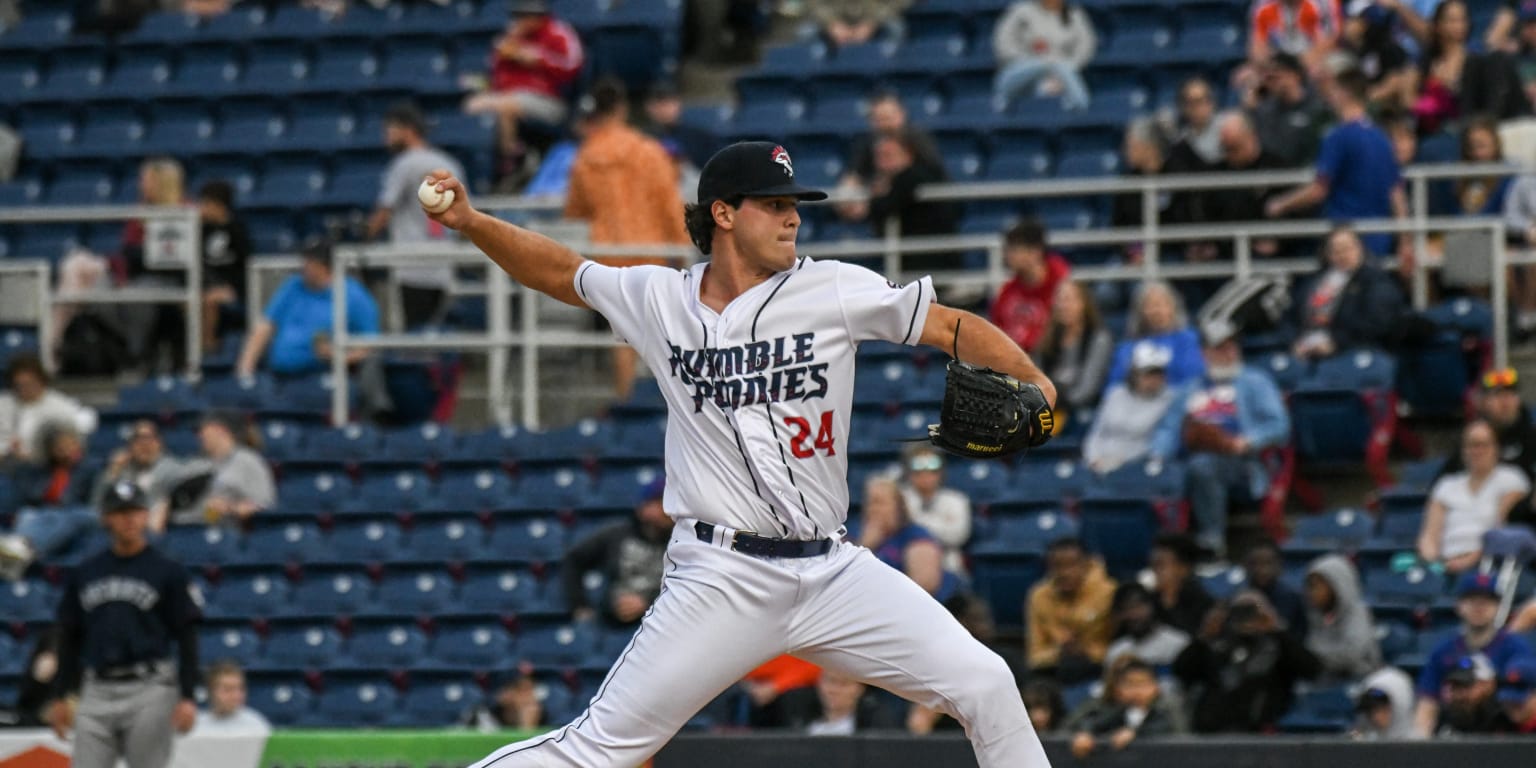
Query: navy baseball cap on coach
x=751, y=169
x=124, y=495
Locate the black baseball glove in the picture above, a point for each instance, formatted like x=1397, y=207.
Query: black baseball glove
x=988, y=414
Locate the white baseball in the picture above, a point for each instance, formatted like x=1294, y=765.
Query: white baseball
x=433, y=200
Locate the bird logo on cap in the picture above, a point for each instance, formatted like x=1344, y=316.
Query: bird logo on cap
x=781, y=156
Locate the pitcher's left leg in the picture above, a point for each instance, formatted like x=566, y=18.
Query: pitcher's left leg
x=870, y=622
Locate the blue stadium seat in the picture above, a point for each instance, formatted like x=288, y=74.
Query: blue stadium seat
x=275, y=69
x=72, y=75
x=1086, y=164
x=438, y=703
x=293, y=542
x=161, y=395
x=391, y=492
x=416, y=446
x=578, y=442
x=387, y=646
x=369, y=22
x=345, y=68
x=447, y=540
x=244, y=393
x=27, y=601
x=293, y=22
x=1222, y=44
x=750, y=117
x=1320, y=710
x=243, y=23
x=39, y=29
x=47, y=133
x=1004, y=579
x=475, y=647
x=497, y=445
x=19, y=193
x=197, y=545
x=420, y=66
x=1122, y=512
x=289, y=185
x=619, y=489
x=362, y=703
x=165, y=29
x=341, y=592
x=502, y=590
x=181, y=130
x=534, y=541
x=637, y=439
x=549, y=490
x=91, y=188
x=19, y=76
x=206, y=72
x=413, y=593
x=248, y=596
x=239, y=173
x=1335, y=410
x=237, y=643
x=559, y=646
x=364, y=542
x=46, y=241
x=326, y=132
x=315, y=491
x=285, y=701
x=473, y=490
x=1027, y=533
x=1392, y=592
x=280, y=440
x=350, y=444
x=1343, y=530
x=353, y=188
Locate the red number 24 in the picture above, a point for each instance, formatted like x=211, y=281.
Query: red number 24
x=802, y=427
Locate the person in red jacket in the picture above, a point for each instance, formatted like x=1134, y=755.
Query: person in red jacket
x=1023, y=305
x=532, y=63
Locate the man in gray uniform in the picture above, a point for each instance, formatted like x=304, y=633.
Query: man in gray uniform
x=119, y=616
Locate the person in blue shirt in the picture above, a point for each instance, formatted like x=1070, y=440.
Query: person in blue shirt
x=1357, y=171
x=297, y=321
x=1477, y=604
x=1157, y=316
x=886, y=529
x=1229, y=417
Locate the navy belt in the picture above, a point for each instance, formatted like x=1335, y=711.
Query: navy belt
x=143, y=670
x=749, y=543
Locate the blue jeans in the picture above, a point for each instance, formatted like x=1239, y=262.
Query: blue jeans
x=1021, y=74
x=1212, y=480
x=52, y=530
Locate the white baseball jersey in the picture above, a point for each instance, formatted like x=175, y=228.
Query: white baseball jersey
x=759, y=396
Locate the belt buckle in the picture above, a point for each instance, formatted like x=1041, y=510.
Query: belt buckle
x=738, y=535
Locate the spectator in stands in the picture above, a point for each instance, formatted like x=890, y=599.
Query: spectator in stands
x=887, y=118
x=60, y=478
x=1182, y=603
x=423, y=290
x=1075, y=350
x=1139, y=633
x=151, y=329
x=629, y=555
x=1348, y=303
x=1368, y=44
x=1194, y=135
x=225, y=250
x=297, y=322
x=1520, y=230
x=664, y=122
x=1144, y=151
x=854, y=22
x=1471, y=703
x=1385, y=707
x=1157, y=317
x=1454, y=81
x=1023, y=305
x=1306, y=29
x=1043, y=700
x=227, y=713
x=624, y=185
x=516, y=705
x=1479, y=638
x=1517, y=694
x=943, y=512
x=1137, y=420
x=1242, y=667
x=1287, y=113
x=238, y=481
x=31, y=405
x=143, y=462
x=1509, y=28
x=1241, y=151
x=35, y=689
x=1498, y=402
x=763, y=686
x=837, y=706
x=1042, y=47
x=1230, y=416
x=1474, y=196
x=886, y=528
x=1467, y=504
x=533, y=62
x=1343, y=631
x=1357, y=173
x=893, y=197
x=1263, y=566
x=1067, y=615
x=1133, y=706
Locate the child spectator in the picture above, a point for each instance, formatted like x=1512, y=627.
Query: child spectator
x=943, y=512
x=1465, y=505
x=1044, y=45
x=1067, y=615
x=886, y=529
x=1478, y=639
x=1075, y=350
x=1158, y=317
x=1263, y=566
x=1138, y=633
x=30, y=405
x=1243, y=668
x=1023, y=305
x=1343, y=632
x=1137, y=419
x=1132, y=707
x=1348, y=303
x=536, y=58
x=1385, y=707
x=1182, y=603
x=1042, y=698
x=629, y=555
x=227, y=714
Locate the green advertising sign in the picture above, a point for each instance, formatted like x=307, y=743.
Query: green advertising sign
x=383, y=749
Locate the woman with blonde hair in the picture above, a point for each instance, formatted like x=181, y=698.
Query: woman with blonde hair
x=886, y=529
x=1158, y=317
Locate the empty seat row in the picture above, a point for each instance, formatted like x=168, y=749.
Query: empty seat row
x=373, y=700
x=459, y=539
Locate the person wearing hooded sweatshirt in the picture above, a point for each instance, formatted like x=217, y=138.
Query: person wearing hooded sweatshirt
x=1342, y=631
x=1136, y=421
x=1243, y=668
x=1385, y=707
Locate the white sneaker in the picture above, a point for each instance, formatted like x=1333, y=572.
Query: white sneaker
x=16, y=554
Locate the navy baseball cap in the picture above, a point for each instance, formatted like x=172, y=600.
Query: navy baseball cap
x=123, y=496
x=752, y=169
x=653, y=490
x=1477, y=584
x=1518, y=682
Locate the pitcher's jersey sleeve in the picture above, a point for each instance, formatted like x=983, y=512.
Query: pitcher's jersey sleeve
x=619, y=294
x=876, y=308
